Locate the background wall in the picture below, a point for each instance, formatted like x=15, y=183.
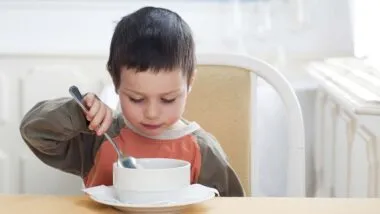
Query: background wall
x=321, y=29
x=273, y=30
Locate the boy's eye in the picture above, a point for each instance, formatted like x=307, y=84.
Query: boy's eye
x=136, y=100
x=168, y=100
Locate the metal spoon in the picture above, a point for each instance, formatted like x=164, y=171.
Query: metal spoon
x=122, y=160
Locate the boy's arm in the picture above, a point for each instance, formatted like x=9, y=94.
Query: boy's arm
x=215, y=170
x=56, y=132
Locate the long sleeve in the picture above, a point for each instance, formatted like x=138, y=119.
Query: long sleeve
x=56, y=132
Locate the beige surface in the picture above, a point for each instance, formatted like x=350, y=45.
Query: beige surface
x=220, y=103
x=83, y=205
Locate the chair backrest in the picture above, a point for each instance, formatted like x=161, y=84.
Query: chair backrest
x=221, y=101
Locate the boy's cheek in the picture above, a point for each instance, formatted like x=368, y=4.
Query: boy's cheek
x=174, y=115
x=130, y=112
x=127, y=106
x=173, y=119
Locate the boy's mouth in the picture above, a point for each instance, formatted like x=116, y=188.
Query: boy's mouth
x=150, y=126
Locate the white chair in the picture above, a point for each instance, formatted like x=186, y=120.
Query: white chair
x=222, y=101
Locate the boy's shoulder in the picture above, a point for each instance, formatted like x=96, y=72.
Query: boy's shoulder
x=216, y=172
x=208, y=143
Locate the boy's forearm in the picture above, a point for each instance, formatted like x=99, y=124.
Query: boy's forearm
x=55, y=130
x=55, y=120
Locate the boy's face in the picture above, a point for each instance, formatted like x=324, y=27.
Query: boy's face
x=152, y=102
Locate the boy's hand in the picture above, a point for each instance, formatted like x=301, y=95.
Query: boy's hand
x=99, y=114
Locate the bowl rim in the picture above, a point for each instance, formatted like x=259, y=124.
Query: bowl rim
x=186, y=164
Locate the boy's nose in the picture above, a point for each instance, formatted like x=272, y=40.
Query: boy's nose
x=152, y=111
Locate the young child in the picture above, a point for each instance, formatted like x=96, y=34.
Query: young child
x=152, y=64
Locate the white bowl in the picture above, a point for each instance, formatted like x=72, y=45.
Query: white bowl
x=158, y=179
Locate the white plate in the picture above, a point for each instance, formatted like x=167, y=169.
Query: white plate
x=195, y=194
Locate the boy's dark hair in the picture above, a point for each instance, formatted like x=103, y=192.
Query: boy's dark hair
x=151, y=38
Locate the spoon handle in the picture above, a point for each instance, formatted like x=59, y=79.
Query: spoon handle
x=75, y=93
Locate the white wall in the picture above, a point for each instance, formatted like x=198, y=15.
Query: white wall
x=366, y=31
x=54, y=27
x=86, y=26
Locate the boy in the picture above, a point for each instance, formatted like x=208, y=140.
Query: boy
x=152, y=64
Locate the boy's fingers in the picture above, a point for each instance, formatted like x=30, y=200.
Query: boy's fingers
x=89, y=99
x=93, y=110
x=98, y=117
x=107, y=121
